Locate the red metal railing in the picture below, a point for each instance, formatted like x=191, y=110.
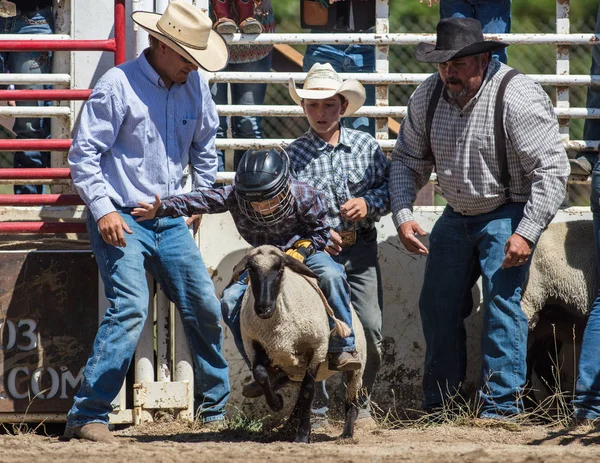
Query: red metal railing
x=117, y=45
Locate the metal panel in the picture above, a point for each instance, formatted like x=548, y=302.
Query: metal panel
x=48, y=303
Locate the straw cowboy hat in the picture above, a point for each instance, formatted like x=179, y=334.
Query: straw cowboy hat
x=456, y=38
x=323, y=82
x=189, y=32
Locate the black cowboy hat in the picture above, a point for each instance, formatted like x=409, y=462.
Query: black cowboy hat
x=456, y=38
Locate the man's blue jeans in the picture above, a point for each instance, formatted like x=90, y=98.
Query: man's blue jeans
x=462, y=248
x=587, y=388
x=332, y=281
x=494, y=16
x=348, y=59
x=165, y=248
x=591, y=128
x=241, y=94
x=32, y=62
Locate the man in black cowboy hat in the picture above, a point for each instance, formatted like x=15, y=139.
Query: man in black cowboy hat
x=503, y=172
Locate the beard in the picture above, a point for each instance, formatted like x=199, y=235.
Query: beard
x=456, y=95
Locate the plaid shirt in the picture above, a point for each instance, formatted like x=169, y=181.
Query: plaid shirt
x=463, y=145
x=355, y=168
x=307, y=221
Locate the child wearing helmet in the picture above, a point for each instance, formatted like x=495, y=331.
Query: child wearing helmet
x=270, y=207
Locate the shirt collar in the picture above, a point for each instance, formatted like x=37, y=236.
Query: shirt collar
x=149, y=70
x=322, y=144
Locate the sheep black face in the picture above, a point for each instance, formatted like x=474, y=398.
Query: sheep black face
x=266, y=265
x=266, y=272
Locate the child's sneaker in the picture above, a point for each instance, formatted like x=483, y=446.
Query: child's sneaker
x=225, y=26
x=251, y=26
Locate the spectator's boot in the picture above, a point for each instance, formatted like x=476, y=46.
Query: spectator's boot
x=248, y=24
x=222, y=11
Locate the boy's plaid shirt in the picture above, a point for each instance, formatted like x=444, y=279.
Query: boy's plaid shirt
x=355, y=168
x=308, y=219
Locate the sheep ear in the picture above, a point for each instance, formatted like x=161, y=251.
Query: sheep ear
x=297, y=266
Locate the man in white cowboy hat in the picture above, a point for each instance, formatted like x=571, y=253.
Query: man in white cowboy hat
x=350, y=167
x=144, y=122
x=503, y=169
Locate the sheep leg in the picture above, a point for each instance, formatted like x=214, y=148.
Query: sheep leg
x=261, y=376
x=351, y=408
x=301, y=412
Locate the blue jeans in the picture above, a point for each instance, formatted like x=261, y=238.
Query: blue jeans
x=332, y=281
x=241, y=94
x=587, y=388
x=494, y=16
x=591, y=128
x=351, y=59
x=361, y=264
x=462, y=248
x=31, y=62
x=165, y=248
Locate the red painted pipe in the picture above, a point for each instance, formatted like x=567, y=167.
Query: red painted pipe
x=41, y=227
x=44, y=95
x=120, y=33
x=58, y=45
x=57, y=144
x=40, y=200
x=31, y=174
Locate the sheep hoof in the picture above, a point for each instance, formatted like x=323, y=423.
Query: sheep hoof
x=302, y=439
x=277, y=404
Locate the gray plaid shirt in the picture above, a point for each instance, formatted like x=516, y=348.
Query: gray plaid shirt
x=463, y=145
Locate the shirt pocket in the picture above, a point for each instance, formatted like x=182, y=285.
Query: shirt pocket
x=186, y=127
x=482, y=166
x=358, y=181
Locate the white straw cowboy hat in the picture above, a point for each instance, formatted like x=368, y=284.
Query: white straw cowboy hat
x=323, y=82
x=189, y=32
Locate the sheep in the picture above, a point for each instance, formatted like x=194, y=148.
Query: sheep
x=557, y=297
x=284, y=324
x=563, y=271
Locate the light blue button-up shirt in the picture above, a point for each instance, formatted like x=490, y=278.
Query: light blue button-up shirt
x=136, y=137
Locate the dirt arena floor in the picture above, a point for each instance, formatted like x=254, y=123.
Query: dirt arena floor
x=180, y=443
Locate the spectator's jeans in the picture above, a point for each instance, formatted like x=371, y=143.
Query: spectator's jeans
x=494, y=16
x=591, y=128
x=332, y=281
x=165, y=248
x=241, y=94
x=361, y=264
x=461, y=248
x=587, y=388
x=31, y=62
x=347, y=59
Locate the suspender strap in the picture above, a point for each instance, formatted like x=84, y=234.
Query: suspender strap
x=433, y=102
x=499, y=134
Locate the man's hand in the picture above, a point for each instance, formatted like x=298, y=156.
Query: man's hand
x=336, y=243
x=194, y=221
x=516, y=251
x=407, y=232
x=146, y=211
x=430, y=3
x=111, y=228
x=354, y=209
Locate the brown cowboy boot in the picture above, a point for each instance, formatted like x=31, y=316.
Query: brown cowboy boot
x=95, y=432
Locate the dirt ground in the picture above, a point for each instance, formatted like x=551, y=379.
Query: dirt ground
x=181, y=443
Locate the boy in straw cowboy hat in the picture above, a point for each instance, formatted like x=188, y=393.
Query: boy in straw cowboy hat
x=144, y=122
x=503, y=170
x=350, y=167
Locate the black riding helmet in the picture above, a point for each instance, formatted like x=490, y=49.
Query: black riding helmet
x=262, y=176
